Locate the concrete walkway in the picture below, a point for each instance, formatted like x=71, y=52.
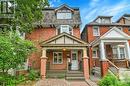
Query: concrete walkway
x=60, y=82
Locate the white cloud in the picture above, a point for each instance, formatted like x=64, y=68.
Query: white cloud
x=101, y=7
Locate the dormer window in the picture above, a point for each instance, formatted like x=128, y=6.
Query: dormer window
x=96, y=31
x=64, y=15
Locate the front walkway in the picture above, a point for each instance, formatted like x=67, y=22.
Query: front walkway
x=60, y=82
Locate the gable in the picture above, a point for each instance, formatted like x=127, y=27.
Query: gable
x=115, y=33
x=64, y=7
x=64, y=39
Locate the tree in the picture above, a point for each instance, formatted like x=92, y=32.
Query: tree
x=13, y=51
x=26, y=13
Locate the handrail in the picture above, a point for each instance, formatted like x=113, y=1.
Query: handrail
x=113, y=64
x=117, y=68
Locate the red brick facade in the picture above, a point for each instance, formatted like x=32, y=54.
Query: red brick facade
x=41, y=34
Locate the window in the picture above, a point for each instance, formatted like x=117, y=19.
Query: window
x=96, y=31
x=65, y=28
x=118, y=52
x=122, y=52
x=7, y=7
x=57, y=58
x=128, y=28
x=115, y=52
x=95, y=53
x=120, y=28
x=63, y=15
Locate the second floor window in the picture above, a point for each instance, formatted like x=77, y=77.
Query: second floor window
x=64, y=15
x=96, y=31
x=66, y=29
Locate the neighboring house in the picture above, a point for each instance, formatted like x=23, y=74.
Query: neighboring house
x=125, y=19
x=58, y=42
x=109, y=43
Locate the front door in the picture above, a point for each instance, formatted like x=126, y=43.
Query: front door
x=74, y=60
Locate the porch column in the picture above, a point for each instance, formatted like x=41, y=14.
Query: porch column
x=90, y=58
x=43, y=64
x=127, y=50
x=103, y=60
x=85, y=64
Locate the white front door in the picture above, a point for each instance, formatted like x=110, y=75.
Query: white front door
x=74, y=60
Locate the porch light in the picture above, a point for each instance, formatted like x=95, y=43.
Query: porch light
x=64, y=49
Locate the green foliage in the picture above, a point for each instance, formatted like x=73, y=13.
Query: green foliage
x=33, y=74
x=13, y=51
x=27, y=12
x=7, y=80
x=111, y=80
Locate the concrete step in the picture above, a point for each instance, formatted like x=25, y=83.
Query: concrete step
x=74, y=72
x=75, y=78
x=75, y=75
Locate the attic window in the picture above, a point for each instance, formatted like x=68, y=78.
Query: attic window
x=64, y=15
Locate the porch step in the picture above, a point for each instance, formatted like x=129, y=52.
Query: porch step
x=75, y=78
x=56, y=73
x=74, y=75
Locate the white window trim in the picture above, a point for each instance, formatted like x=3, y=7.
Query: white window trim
x=58, y=57
x=96, y=53
x=118, y=51
x=64, y=13
x=119, y=57
x=98, y=31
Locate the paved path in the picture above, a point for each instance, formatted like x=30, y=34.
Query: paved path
x=60, y=82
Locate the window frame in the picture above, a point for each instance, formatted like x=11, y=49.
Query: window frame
x=98, y=33
x=58, y=58
x=63, y=17
x=70, y=30
x=96, y=50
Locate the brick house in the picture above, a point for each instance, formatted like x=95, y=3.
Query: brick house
x=109, y=43
x=58, y=42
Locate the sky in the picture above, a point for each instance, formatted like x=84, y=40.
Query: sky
x=90, y=9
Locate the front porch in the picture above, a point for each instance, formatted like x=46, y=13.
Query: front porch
x=110, y=52
x=64, y=52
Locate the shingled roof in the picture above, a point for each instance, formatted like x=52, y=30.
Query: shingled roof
x=50, y=16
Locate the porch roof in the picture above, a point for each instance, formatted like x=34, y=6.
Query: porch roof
x=113, y=34
x=64, y=40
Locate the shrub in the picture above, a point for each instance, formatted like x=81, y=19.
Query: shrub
x=11, y=80
x=33, y=74
x=109, y=80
